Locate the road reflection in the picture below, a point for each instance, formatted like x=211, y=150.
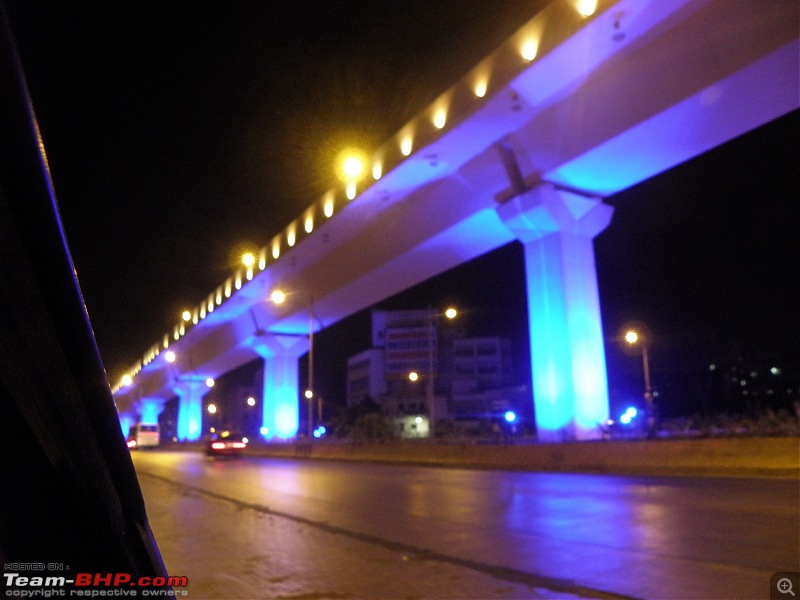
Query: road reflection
x=654, y=537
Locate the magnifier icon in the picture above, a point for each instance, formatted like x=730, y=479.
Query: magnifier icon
x=785, y=586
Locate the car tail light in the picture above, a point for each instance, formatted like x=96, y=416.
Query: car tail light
x=218, y=445
x=131, y=443
x=239, y=445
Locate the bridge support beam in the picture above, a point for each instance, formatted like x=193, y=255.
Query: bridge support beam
x=570, y=387
x=190, y=408
x=281, y=412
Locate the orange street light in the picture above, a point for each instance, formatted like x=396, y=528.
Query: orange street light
x=633, y=337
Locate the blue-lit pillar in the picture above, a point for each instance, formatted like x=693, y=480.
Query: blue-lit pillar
x=281, y=413
x=190, y=408
x=149, y=409
x=126, y=419
x=568, y=365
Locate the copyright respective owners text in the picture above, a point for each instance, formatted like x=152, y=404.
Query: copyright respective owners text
x=59, y=580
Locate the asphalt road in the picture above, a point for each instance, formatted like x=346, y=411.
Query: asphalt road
x=268, y=528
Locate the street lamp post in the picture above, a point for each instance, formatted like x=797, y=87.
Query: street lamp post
x=214, y=416
x=310, y=391
x=429, y=382
x=433, y=317
x=632, y=337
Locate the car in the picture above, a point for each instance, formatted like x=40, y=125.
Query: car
x=226, y=443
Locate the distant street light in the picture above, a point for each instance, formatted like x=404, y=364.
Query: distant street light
x=248, y=259
x=350, y=165
x=212, y=409
x=633, y=337
x=353, y=168
x=350, y=169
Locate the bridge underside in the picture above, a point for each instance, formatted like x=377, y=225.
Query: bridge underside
x=594, y=114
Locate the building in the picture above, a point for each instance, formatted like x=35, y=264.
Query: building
x=419, y=373
x=482, y=386
x=365, y=377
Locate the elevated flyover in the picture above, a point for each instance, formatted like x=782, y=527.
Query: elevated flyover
x=583, y=101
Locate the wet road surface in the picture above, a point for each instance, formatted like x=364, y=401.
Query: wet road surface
x=267, y=528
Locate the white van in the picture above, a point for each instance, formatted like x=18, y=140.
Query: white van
x=144, y=435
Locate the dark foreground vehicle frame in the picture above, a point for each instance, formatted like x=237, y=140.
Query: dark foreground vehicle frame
x=68, y=490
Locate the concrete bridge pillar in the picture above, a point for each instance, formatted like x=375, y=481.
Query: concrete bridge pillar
x=568, y=365
x=149, y=409
x=190, y=408
x=281, y=413
x=126, y=420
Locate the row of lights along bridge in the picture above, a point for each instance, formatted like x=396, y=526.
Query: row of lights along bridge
x=351, y=170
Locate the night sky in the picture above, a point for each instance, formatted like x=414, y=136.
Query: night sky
x=179, y=133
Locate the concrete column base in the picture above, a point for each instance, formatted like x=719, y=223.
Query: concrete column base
x=281, y=394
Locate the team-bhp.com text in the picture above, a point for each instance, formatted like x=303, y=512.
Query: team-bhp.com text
x=101, y=584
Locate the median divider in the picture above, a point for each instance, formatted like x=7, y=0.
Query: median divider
x=756, y=456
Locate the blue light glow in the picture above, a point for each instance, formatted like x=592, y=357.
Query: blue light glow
x=190, y=410
x=570, y=388
x=151, y=408
x=627, y=417
x=510, y=416
x=630, y=157
x=280, y=412
x=125, y=422
x=567, y=354
x=280, y=393
x=286, y=421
